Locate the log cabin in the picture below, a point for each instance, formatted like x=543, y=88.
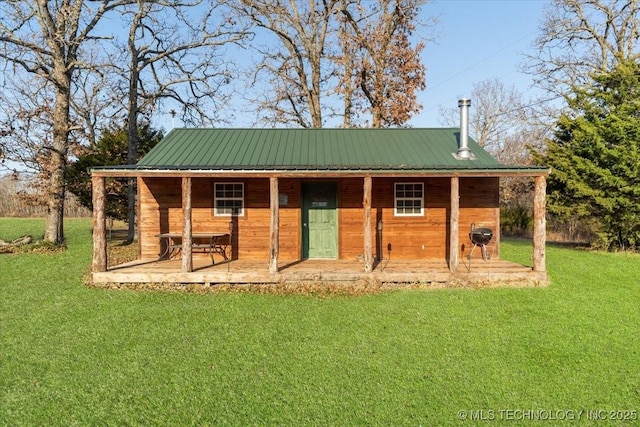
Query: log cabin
x=268, y=201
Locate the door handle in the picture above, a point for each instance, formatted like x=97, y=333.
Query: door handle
x=304, y=224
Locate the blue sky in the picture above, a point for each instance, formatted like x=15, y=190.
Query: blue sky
x=476, y=40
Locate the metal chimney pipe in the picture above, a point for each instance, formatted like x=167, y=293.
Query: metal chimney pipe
x=463, y=151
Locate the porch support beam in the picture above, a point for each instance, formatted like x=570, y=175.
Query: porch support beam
x=187, y=229
x=99, y=195
x=368, y=244
x=274, y=228
x=454, y=224
x=539, y=223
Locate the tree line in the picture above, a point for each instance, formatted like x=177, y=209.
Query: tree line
x=76, y=72
x=14, y=200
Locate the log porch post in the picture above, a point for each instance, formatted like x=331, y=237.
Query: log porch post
x=187, y=238
x=99, y=262
x=539, y=224
x=366, y=204
x=454, y=219
x=274, y=228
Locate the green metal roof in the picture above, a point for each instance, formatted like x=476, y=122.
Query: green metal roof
x=315, y=149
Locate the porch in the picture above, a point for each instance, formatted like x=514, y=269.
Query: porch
x=387, y=272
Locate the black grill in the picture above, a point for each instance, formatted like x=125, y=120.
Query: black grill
x=480, y=236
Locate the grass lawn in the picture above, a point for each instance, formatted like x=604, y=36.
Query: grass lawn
x=73, y=355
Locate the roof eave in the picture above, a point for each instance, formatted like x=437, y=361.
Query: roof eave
x=176, y=171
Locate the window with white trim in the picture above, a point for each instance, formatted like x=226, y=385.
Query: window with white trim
x=409, y=198
x=229, y=199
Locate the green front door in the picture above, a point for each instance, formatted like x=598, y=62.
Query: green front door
x=319, y=220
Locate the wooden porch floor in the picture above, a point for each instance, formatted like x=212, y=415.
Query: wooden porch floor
x=479, y=272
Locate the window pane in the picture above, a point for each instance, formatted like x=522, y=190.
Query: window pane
x=408, y=198
x=229, y=198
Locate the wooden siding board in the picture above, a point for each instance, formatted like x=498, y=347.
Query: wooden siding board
x=161, y=211
x=479, y=201
x=415, y=237
x=424, y=237
x=351, y=231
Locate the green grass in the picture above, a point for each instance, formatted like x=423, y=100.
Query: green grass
x=73, y=355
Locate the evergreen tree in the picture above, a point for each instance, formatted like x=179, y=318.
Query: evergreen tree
x=110, y=150
x=595, y=157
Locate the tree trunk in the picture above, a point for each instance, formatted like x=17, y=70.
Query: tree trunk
x=132, y=131
x=54, y=227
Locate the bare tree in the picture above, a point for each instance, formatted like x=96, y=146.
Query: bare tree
x=387, y=68
x=578, y=37
x=174, y=54
x=44, y=40
x=94, y=104
x=498, y=113
x=354, y=51
x=346, y=60
x=26, y=112
x=298, y=67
